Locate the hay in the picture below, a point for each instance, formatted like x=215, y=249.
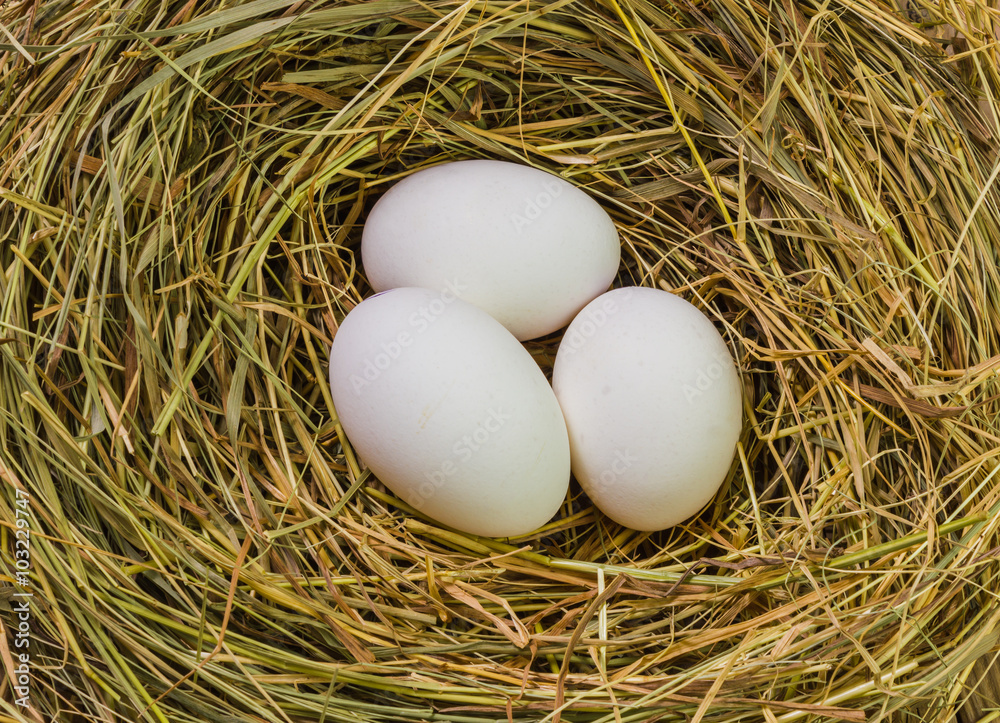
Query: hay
x=181, y=194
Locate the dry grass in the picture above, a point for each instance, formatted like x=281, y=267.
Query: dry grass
x=182, y=187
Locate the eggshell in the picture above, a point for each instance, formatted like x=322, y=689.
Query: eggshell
x=524, y=245
x=652, y=401
x=450, y=412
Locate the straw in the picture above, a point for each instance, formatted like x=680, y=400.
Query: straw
x=182, y=191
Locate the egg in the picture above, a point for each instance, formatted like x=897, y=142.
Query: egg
x=652, y=402
x=524, y=245
x=450, y=412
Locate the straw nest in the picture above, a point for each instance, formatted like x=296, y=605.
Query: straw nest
x=182, y=188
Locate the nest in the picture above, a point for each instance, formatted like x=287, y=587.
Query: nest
x=182, y=189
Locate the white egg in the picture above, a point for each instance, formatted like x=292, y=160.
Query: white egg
x=522, y=244
x=652, y=402
x=450, y=412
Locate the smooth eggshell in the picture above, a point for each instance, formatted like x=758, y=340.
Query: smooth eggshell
x=450, y=412
x=652, y=401
x=524, y=245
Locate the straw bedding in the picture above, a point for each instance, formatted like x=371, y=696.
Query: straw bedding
x=182, y=188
